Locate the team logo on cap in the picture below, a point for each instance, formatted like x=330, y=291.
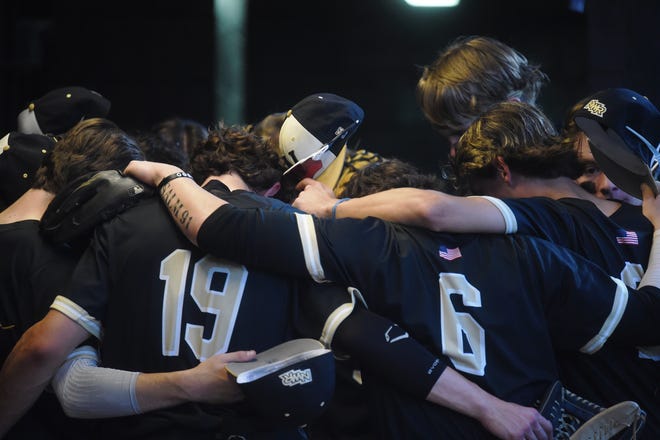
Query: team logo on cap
x=596, y=108
x=296, y=377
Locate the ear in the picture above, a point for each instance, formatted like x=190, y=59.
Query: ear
x=270, y=192
x=503, y=170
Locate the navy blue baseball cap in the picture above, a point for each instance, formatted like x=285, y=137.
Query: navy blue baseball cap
x=314, y=134
x=623, y=128
x=291, y=384
x=59, y=110
x=21, y=156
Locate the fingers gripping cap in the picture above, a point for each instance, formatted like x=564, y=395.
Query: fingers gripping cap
x=87, y=202
x=623, y=128
x=315, y=132
x=290, y=384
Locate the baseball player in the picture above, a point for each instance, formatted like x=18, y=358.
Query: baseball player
x=475, y=298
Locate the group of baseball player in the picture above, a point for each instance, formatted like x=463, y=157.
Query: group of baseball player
x=130, y=281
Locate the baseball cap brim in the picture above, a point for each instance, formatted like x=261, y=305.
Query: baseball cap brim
x=625, y=169
x=331, y=175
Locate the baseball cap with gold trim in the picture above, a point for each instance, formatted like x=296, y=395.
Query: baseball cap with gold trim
x=623, y=128
x=313, y=137
x=60, y=109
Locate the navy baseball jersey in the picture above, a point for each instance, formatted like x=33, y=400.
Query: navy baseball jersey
x=496, y=306
x=620, y=244
x=157, y=303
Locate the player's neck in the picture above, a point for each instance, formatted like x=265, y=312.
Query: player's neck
x=559, y=188
x=232, y=180
x=30, y=206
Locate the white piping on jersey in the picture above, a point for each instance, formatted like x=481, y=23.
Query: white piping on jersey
x=511, y=224
x=333, y=322
x=618, y=307
x=310, y=247
x=78, y=315
x=338, y=316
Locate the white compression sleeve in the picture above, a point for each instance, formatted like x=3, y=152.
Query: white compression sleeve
x=653, y=277
x=86, y=390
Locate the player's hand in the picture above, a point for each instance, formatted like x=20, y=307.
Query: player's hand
x=150, y=173
x=651, y=206
x=209, y=382
x=510, y=421
x=315, y=198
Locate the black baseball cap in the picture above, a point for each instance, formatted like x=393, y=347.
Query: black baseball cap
x=623, y=128
x=59, y=110
x=314, y=134
x=21, y=156
x=290, y=384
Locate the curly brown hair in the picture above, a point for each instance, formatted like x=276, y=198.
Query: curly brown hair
x=92, y=145
x=523, y=137
x=235, y=148
x=387, y=174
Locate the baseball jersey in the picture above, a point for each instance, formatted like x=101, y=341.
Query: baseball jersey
x=495, y=306
x=158, y=304
x=620, y=244
x=32, y=273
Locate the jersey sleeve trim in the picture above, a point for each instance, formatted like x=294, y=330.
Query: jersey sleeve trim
x=338, y=316
x=618, y=308
x=507, y=213
x=310, y=246
x=78, y=314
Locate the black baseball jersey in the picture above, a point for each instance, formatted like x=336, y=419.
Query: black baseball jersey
x=159, y=304
x=620, y=244
x=32, y=273
x=494, y=305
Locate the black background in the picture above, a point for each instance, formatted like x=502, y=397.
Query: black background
x=154, y=60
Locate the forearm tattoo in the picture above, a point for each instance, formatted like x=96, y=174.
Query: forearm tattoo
x=176, y=207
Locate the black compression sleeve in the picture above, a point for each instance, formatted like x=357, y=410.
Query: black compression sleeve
x=385, y=349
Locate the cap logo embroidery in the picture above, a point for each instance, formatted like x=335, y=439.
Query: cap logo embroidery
x=596, y=108
x=296, y=377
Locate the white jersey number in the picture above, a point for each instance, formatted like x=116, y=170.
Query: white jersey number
x=223, y=303
x=459, y=327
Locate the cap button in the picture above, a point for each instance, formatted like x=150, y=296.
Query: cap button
x=68, y=95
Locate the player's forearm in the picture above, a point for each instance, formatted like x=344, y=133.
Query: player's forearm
x=503, y=419
x=407, y=206
x=427, y=209
x=456, y=392
x=188, y=203
x=24, y=375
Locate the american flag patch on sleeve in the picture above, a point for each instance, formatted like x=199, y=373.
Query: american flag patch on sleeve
x=626, y=237
x=449, y=253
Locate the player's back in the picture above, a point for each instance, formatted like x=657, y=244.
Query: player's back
x=620, y=244
x=168, y=306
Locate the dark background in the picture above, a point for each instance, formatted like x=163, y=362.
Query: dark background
x=154, y=60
